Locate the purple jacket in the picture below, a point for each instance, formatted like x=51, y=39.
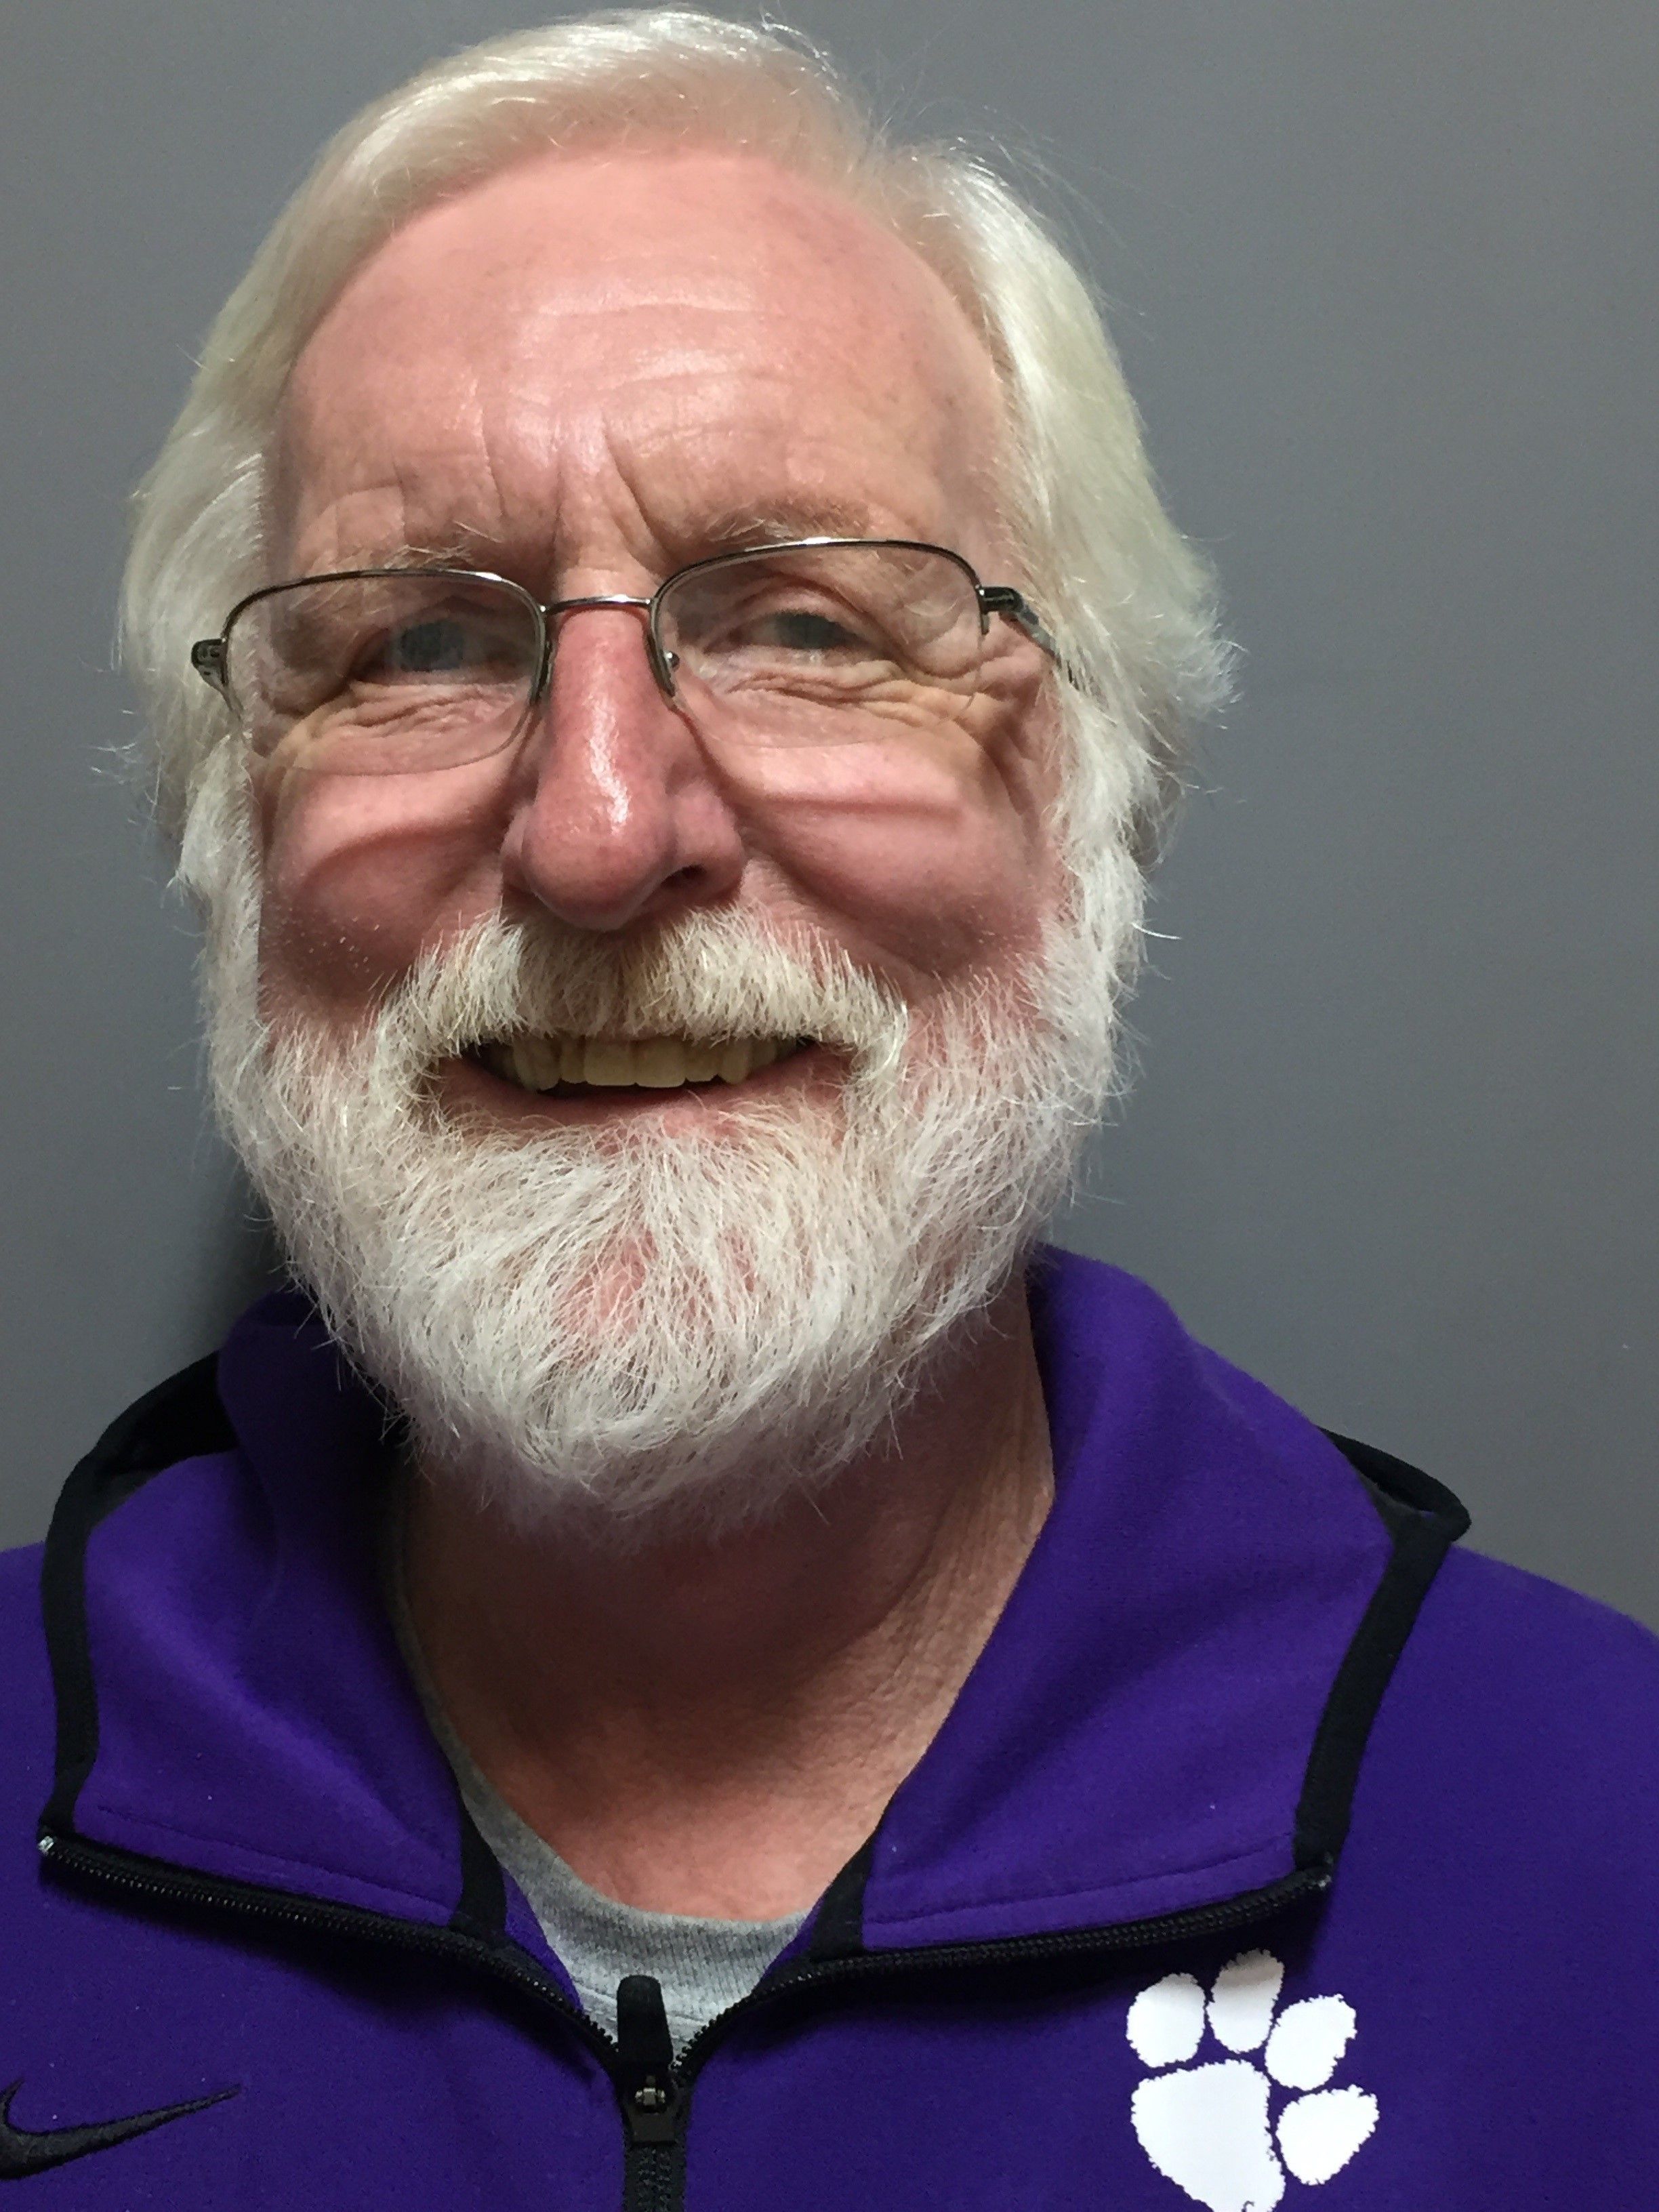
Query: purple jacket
x=1257, y=1858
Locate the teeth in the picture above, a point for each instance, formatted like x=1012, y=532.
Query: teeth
x=536, y=1062
x=539, y=1063
x=659, y=1064
x=610, y=1064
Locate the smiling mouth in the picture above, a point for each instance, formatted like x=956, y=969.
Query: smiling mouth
x=574, y=1064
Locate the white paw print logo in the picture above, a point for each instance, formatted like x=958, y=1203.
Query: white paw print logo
x=1209, y=2129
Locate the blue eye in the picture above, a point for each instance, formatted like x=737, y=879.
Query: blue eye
x=800, y=632
x=441, y=648
x=437, y=648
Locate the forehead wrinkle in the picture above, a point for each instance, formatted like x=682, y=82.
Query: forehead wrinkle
x=600, y=490
x=541, y=471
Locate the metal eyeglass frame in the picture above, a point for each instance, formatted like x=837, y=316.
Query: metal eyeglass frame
x=209, y=656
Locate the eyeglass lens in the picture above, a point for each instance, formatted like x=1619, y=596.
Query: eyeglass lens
x=815, y=645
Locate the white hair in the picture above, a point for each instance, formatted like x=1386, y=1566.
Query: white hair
x=1125, y=598
x=782, y=1286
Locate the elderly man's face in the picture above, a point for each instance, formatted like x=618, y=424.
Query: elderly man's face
x=582, y=375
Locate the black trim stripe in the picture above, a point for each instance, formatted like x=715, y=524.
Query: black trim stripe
x=184, y=1419
x=1425, y=1520
x=482, y=1910
x=180, y=1418
x=838, y=1926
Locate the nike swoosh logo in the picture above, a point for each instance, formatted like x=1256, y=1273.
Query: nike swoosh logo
x=24, y=2151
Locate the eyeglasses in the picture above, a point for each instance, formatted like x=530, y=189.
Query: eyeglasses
x=821, y=641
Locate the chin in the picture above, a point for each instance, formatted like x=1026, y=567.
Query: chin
x=644, y=1303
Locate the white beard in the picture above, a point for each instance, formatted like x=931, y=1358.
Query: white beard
x=636, y=1326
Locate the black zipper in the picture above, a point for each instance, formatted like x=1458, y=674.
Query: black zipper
x=655, y=2179
x=654, y=2099
x=653, y=2088
x=184, y=1419
x=1013, y=1950
x=505, y=1961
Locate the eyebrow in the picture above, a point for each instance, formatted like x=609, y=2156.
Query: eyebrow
x=773, y=521
x=731, y=529
x=459, y=548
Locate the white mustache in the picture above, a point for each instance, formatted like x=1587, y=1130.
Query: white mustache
x=579, y=1318
x=706, y=976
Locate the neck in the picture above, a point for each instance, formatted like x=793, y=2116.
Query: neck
x=712, y=1725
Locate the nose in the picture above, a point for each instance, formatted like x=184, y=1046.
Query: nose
x=617, y=815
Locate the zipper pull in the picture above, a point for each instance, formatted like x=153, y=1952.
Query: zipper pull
x=650, y=2095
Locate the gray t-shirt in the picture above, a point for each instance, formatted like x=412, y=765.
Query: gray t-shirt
x=704, y=1967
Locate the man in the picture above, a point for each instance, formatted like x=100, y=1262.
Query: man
x=691, y=1662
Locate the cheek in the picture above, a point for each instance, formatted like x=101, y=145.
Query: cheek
x=935, y=860
x=361, y=873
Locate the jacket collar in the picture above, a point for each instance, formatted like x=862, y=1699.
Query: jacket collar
x=1170, y=1714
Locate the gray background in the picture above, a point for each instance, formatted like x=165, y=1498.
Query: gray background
x=1384, y=276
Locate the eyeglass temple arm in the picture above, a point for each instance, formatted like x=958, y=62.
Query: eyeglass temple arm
x=1004, y=599
x=207, y=658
